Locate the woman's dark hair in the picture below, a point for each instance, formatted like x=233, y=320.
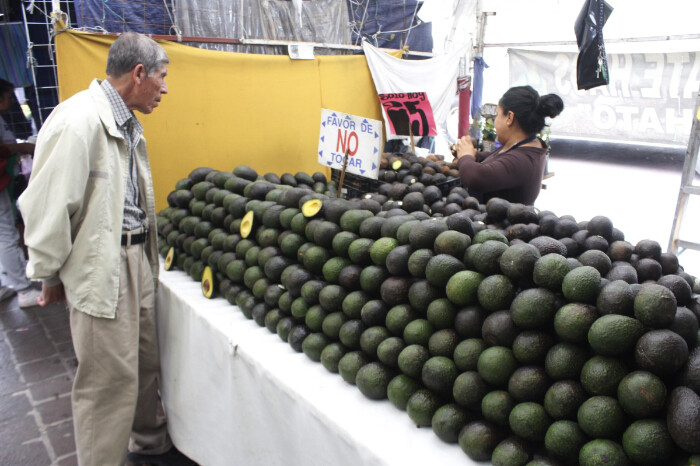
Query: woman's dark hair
x=529, y=108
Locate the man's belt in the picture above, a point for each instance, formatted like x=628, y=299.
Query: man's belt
x=129, y=239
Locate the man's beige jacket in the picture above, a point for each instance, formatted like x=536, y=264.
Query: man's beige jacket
x=74, y=204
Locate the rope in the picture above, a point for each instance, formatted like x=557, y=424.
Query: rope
x=107, y=8
x=174, y=28
x=374, y=37
x=31, y=61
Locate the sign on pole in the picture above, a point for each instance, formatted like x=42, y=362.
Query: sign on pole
x=360, y=137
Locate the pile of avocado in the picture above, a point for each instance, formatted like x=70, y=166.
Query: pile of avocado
x=409, y=168
x=524, y=337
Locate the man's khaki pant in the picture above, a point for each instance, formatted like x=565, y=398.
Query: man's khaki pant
x=115, y=392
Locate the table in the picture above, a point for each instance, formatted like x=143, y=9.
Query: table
x=236, y=394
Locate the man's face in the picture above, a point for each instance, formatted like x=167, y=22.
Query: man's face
x=6, y=101
x=150, y=90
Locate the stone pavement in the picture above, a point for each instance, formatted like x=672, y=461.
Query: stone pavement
x=37, y=366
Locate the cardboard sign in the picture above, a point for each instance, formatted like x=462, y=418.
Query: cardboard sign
x=408, y=114
x=360, y=137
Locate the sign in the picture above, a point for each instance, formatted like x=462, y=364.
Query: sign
x=650, y=98
x=301, y=51
x=408, y=114
x=360, y=137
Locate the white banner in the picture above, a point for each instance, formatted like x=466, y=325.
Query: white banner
x=650, y=98
x=437, y=77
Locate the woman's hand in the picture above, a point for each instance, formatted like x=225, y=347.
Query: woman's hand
x=465, y=147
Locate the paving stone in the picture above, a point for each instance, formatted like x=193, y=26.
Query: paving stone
x=53, y=321
x=55, y=410
x=37, y=362
x=15, y=318
x=55, y=308
x=28, y=454
x=17, y=431
x=14, y=406
x=8, y=305
x=51, y=388
x=69, y=461
x=42, y=369
x=62, y=438
x=66, y=349
x=10, y=380
x=60, y=335
x=27, y=353
x=32, y=335
x=5, y=351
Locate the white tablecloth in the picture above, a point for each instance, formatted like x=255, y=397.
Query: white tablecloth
x=235, y=394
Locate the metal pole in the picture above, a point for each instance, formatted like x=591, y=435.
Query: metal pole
x=30, y=62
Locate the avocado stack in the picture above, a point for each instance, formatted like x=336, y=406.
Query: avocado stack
x=409, y=168
x=525, y=337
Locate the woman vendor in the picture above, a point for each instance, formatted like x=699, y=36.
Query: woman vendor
x=514, y=171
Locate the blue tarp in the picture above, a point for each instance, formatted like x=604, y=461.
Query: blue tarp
x=389, y=23
x=13, y=55
x=146, y=17
x=478, y=83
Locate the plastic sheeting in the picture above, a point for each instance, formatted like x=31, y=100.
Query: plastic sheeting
x=390, y=24
x=145, y=16
x=319, y=21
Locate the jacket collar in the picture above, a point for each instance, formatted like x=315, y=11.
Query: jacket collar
x=104, y=110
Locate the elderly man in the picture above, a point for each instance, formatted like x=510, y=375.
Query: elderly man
x=89, y=213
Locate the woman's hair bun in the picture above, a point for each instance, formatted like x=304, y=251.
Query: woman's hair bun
x=550, y=105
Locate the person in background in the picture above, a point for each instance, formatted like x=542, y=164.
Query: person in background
x=90, y=230
x=513, y=172
x=11, y=255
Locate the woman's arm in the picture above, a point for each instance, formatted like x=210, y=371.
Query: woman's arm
x=504, y=172
x=21, y=147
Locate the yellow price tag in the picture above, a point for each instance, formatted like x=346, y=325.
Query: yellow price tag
x=698, y=114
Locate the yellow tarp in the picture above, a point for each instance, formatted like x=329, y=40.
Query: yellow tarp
x=226, y=109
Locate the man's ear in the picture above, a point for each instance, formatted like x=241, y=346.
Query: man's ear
x=138, y=73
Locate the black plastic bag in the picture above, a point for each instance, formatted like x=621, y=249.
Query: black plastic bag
x=592, y=64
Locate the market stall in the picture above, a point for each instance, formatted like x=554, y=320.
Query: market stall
x=236, y=394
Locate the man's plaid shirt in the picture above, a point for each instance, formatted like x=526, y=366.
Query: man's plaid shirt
x=131, y=129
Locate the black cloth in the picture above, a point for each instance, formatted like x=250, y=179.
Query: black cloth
x=592, y=62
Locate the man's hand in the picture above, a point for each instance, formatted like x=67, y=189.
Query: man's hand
x=52, y=294
x=465, y=147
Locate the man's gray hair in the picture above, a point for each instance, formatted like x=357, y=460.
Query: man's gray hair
x=132, y=48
